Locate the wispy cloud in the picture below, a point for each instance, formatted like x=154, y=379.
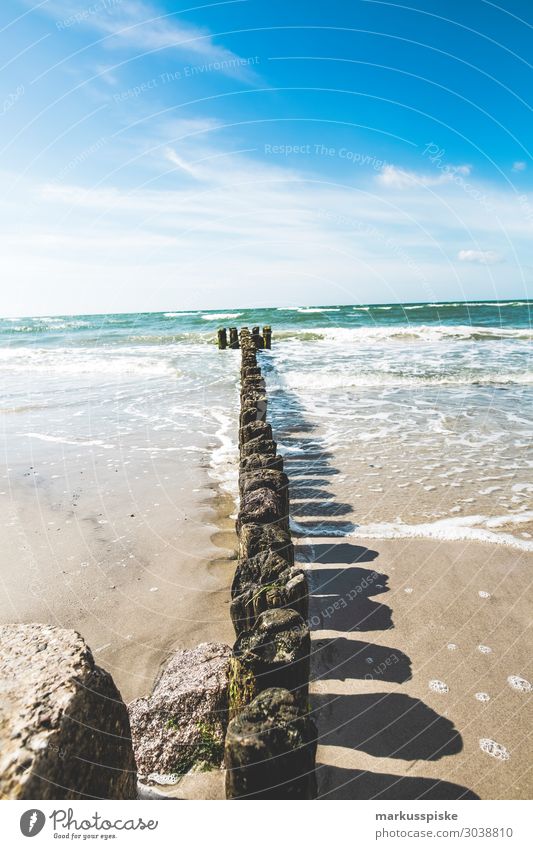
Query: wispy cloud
x=480, y=257
x=400, y=178
x=180, y=163
x=216, y=217
x=519, y=166
x=141, y=26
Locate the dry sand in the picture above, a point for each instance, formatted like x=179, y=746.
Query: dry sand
x=414, y=643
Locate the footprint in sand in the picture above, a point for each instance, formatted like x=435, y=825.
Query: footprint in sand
x=495, y=750
x=520, y=684
x=439, y=687
x=482, y=697
x=484, y=649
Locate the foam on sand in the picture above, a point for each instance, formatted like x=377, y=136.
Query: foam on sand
x=494, y=749
x=519, y=684
x=439, y=687
x=457, y=528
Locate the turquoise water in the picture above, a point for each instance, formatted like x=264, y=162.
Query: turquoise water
x=478, y=320
x=426, y=408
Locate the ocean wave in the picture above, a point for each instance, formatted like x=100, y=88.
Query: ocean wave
x=221, y=316
x=79, y=361
x=464, y=528
x=411, y=332
x=333, y=380
x=452, y=305
x=310, y=310
x=47, y=325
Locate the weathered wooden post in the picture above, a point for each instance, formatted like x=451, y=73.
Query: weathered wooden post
x=271, y=742
x=257, y=339
x=275, y=653
x=222, y=339
x=270, y=750
x=233, y=338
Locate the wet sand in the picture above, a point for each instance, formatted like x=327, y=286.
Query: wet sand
x=136, y=558
x=414, y=643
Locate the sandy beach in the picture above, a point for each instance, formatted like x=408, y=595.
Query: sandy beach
x=409, y=511
x=118, y=537
x=417, y=648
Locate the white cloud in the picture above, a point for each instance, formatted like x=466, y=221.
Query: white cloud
x=180, y=163
x=519, y=166
x=139, y=25
x=400, y=178
x=481, y=257
x=248, y=225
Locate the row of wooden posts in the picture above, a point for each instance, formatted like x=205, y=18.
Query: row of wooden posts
x=259, y=340
x=270, y=744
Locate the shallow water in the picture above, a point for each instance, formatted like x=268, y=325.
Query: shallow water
x=427, y=405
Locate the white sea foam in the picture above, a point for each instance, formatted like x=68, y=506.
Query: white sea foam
x=330, y=380
x=46, y=437
x=318, y=309
x=520, y=684
x=462, y=528
x=482, y=697
x=224, y=458
x=221, y=316
x=496, y=750
x=439, y=687
x=424, y=333
x=75, y=361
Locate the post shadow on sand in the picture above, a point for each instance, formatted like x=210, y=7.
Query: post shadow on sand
x=307, y=463
x=380, y=724
x=342, y=599
x=386, y=725
x=340, y=658
x=339, y=783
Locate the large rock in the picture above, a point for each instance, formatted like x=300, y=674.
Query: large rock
x=64, y=728
x=270, y=750
x=181, y=727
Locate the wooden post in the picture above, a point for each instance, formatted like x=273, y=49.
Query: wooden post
x=270, y=750
x=267, y=336
x=257, y=339
x=222, y=339
x=233, y=338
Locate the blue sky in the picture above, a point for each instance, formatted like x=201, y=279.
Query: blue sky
x=163, y=156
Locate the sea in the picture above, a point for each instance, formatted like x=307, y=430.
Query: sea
x=415, y=419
